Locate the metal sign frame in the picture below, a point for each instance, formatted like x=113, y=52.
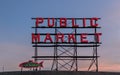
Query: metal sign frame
x=66, y=53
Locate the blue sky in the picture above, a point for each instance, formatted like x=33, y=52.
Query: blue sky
x=16, y=23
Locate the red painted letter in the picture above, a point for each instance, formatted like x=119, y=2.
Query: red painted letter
x=35, y=37
x=48, y=37
x=84, y=22
x=93, y=22
x=60, y=36
x=71, y=37
x=38, y=21
x=97, y=35
x=52, y=23
x=83, y=38
x=63, y=22
x=74, y=23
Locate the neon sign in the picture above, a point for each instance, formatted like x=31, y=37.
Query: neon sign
x=76, y=23
x=65, y=35
x=31, y=64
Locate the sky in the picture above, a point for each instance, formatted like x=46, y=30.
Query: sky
x=16, y=23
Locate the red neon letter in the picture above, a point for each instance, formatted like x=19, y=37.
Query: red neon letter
x=63, y=22
x=71, y=37
x=97, y=35
x=59, y=36
x=48, y=37
x=39, y=20
x=93, y=22
x=84, y=22
x=35, y=37
x=53, y=21
x=74, y=23
x=83, y=38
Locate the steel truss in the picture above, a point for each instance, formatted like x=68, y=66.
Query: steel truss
x=65, y=55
